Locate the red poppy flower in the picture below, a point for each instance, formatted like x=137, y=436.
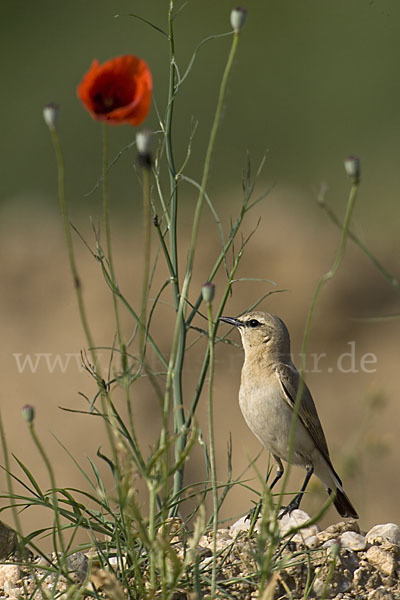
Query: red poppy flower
x=119, y=91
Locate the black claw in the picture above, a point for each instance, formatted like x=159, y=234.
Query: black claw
x=254, y=512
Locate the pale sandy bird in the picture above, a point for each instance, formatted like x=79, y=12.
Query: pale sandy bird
x=267, y=396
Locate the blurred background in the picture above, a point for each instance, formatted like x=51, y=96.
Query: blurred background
x=312, y=83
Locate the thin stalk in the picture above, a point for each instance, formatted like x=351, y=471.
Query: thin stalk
x=77, y=285
x=14, y=510
x=220, y=260
x=206, y=360
x=212, y=447
x=206, y=170
x=107, y=226
x=177, y=350
x=10, y=488
x=152, y=531
x=179, y=353
x=388, y=276
x=108, y=410
x=50, y=471
x=146, y=259
x=70, y=251
x=322, y=281
x=332, y=272
x=168, y=144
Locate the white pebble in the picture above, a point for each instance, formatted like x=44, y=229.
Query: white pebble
x=295, y=519
x=353, y=541
x=389, y=531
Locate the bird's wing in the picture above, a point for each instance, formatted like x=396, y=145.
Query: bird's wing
x=289, y=380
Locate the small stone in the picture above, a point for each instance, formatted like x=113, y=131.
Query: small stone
x=353, y=541
x=10, y=588
x=384, y=561
x=8, y=541
x=113, y=562
x=380, y=594
x=360, y=576
x=350, y=561
x=224, y=538
x=318, y=586
x=329, y=543
x=9, y=573
x=78, y=566
x=295, y=519
x=389, y=531
x=335, y=531
x=312, y=541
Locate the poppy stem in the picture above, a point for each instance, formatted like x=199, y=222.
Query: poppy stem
x=107, y=226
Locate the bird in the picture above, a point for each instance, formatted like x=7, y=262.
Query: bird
x=267, y=397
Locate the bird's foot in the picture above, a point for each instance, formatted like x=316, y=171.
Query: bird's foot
x=254, y=513
x=286, y=510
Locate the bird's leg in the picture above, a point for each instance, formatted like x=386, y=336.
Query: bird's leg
x=295, y=503
x=279, y=471
x=254, y=513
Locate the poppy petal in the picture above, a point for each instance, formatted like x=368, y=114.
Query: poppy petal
x=118, y=91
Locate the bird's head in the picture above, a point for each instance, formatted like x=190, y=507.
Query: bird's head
x=262, y=332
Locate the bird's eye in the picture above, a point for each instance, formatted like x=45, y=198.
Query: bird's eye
x=253, y=323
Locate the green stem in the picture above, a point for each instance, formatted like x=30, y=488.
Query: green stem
x=152, y=530
x=107, y=226
x=211, y=334
x=53, y=490
x=388, y=276
x=10, y=488
x=332, y=271
x=206, y=361
x=105, y=400
x=146, y=259
x=234, y=230
x=176, y=379
x=206, y=170
x=169, y=149
x=177, y=349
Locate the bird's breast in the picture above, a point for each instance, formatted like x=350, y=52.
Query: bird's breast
x=269, y=417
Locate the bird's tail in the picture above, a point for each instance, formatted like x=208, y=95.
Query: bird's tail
x=343, y=504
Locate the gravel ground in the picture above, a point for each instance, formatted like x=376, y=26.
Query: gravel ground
x=340, y=562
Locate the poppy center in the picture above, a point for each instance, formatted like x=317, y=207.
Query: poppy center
x=112, y=93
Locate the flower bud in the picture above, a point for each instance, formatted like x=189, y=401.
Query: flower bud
x=208, y=292
x=238, y=18
x=352, y=167
x=28, y=412
x=50, y=115
x=144, y=140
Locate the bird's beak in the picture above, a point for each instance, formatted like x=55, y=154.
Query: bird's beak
x=231, y=321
